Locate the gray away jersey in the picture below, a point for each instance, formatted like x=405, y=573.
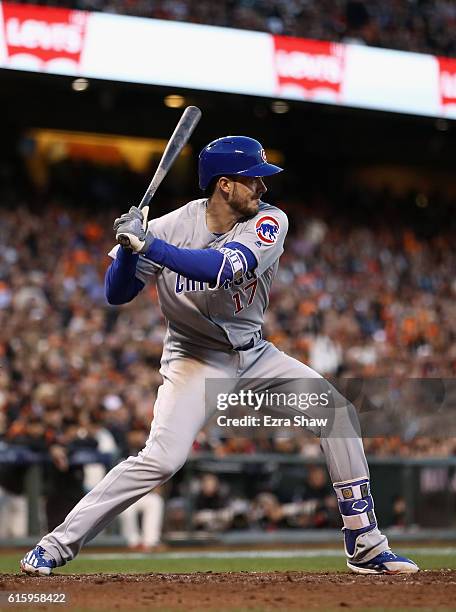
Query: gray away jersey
x=226, y=317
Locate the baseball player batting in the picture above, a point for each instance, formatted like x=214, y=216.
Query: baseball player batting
x=213, y=261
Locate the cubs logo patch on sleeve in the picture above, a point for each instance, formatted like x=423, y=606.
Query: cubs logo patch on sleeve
x=267, y=229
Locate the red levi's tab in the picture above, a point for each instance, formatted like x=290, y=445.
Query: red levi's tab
x=309, y=69
x=43, y=38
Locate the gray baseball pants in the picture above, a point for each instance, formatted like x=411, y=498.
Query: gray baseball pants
x=179, y=414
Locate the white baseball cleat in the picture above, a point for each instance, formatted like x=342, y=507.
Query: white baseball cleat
x=384, y=563
x=38, y=562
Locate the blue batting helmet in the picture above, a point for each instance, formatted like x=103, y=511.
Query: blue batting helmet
x=233, y=155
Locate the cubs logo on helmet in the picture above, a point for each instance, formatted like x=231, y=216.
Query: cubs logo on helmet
x=267, y=229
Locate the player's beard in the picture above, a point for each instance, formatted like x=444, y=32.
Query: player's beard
x=247, y=206
x=245, y=209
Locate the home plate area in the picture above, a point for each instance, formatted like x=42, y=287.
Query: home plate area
x=288, y=590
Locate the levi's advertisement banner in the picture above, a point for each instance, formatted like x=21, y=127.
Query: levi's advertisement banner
x=309, y=69
x=43, y=39
x=138, y=50
x=447, y=84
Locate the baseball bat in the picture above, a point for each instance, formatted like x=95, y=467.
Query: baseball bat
x=179, y=138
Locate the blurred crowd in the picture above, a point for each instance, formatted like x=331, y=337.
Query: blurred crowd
x=425, y=26
x=351, y=299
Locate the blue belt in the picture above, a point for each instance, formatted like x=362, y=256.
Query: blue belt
x=251, y=343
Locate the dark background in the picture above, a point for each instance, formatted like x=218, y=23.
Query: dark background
x=320, y=142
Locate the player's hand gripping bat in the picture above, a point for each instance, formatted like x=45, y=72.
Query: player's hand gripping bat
x=176, y=143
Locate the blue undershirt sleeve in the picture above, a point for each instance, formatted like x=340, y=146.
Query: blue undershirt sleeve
x=205, y=265
x=121, y=284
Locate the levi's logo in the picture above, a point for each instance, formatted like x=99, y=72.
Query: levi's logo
x=43, y=38
x=447, y=84
x=309, y=69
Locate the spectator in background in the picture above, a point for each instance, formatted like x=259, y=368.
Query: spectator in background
x=267, y=513
x=357, y=22
x=211, y=505
x=63, y=474
x=13, y=502
x=176, y=515
x=325, y=355
x=318, y=492
x=94, y=472
x=28, y=433
x=13, y=508
x=399, y=512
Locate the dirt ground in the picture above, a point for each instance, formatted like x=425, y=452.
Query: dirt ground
x=243, y=591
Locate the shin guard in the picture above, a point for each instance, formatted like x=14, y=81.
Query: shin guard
x=357, y=509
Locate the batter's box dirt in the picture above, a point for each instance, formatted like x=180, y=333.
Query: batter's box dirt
x=278, y=591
